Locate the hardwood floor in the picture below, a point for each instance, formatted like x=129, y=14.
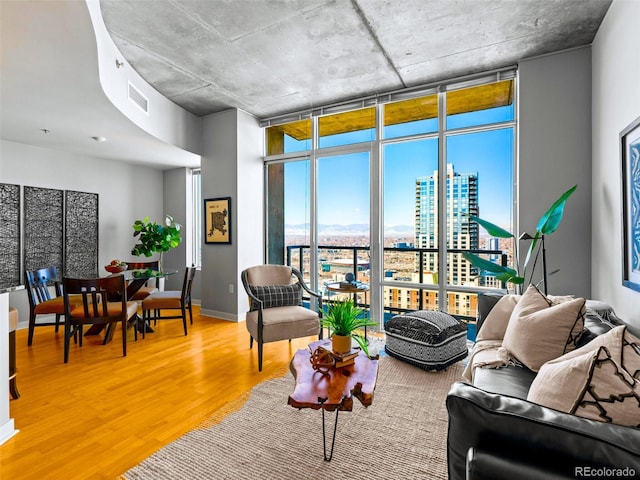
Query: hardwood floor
x=102, y=413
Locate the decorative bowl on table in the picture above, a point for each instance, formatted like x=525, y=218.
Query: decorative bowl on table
x=116, y=268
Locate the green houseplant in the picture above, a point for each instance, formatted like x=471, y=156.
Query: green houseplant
x=343, y=318
x=547, y=224
x=153, y=237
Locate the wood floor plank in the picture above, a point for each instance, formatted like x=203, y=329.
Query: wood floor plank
x=102, y=413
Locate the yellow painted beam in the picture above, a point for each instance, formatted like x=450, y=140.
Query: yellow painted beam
x=458, y=101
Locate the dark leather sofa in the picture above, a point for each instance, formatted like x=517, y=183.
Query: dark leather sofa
x=495, y=433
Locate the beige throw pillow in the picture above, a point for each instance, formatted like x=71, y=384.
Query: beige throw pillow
x=540, y=330
x=594, y=382
x=495, y=324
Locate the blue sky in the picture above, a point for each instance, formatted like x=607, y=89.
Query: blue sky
x=343, y=182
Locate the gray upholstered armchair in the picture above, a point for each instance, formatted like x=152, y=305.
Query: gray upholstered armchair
x=275, y=306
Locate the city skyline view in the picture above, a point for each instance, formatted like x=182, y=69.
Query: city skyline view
x=343, y=181
x=477, y=159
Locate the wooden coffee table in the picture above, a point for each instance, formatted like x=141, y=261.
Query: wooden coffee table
x=333, y=390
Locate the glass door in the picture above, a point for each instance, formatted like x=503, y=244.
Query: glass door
x=344, y=223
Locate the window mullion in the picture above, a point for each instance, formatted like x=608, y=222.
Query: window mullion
x=442, y=203
x=313, y=206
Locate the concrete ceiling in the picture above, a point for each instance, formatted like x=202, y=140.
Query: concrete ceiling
x=266, y=57
x=269, y=57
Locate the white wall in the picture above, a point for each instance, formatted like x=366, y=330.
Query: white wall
x=165, y=119
x=126, y=193
x=555, y=154
x=616, y=103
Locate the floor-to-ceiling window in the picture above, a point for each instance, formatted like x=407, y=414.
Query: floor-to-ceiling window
x=385, y=191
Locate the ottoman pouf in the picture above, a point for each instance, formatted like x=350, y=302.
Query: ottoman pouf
x=428, y=339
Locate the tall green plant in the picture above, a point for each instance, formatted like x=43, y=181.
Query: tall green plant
x=344, y=317
x=153, y=237
x=547, y=224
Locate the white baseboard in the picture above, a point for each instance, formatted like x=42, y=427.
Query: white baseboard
x=221, y=315
x=7, y=431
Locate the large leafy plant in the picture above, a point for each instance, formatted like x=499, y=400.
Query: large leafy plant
x=344, y=317
x=153, y=237
x=547, y=224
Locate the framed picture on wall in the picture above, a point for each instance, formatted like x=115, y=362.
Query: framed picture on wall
x=217, y=220
x=630, y=154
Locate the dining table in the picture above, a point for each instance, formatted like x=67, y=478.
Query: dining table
x=134, y=280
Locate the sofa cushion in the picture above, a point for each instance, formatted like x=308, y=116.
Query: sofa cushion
x=509, y=380
x=282, y=323
x=277, y=295
x=596, y=381
x=540, y=330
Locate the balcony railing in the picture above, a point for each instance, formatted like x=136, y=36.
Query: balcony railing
x=300, y=255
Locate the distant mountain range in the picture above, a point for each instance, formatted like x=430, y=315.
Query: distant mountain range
x=356, y=229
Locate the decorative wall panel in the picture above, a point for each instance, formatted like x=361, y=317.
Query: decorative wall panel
x=10, y=236
x=43, y=228
x=81, y=234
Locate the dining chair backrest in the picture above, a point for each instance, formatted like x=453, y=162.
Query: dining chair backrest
x=145, y=266
x=104, y=301
x=95, y=292
x=44, y=292
x=170, y=300
x=38, y=283
x=189, y=275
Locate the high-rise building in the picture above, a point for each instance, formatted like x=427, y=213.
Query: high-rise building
x=462, y=234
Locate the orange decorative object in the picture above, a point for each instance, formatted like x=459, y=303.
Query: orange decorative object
x=321, y=360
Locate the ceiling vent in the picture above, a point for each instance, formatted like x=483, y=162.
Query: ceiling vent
x=138, y=98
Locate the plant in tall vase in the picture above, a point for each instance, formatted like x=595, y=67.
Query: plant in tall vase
x=153, y=237
x=547, y=224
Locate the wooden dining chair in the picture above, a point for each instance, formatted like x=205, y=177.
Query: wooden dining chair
x=44, y=291
x=148, y=289
x=104, y=302
x=170, y=300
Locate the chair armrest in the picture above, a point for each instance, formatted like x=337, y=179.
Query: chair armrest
x=524, y=432
x=303, y=284
x=311, y=292
x=255, y=299
x=301, y=281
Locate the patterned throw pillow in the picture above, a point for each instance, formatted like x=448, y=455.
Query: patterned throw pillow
x=277, y=295
x=600, y=381
x=540, y=330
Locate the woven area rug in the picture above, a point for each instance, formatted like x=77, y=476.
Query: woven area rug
x=401, y=435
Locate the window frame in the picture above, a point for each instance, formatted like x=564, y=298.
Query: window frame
x=379, y=285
